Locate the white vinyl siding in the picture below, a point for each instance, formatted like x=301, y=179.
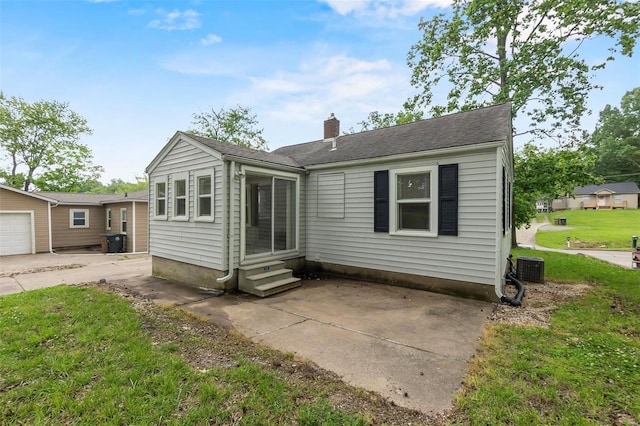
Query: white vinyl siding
x=193, y=242
x=331, y=195
x=470, y=256
x=78, y=218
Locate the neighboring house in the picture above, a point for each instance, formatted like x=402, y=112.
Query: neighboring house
x=617, y=195
x=25, y=222
x=34, y=222
x=543, y=206
x=425, y=204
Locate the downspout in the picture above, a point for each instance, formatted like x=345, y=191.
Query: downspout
x=511, y=278
x=50, y=229
x=230, y=235
x=133, y=227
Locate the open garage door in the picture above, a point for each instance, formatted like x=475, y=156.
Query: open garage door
x=16, y=233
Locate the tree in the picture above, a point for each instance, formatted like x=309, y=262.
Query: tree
x=41, y=140
x=548, y=173
x=376, y=120
x=522, y=51
x=616, y=140
x=119, y=186
x=237, y=126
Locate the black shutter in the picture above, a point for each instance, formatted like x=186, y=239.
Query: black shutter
x=381, y=201
x=448, y=199
x=504, y=200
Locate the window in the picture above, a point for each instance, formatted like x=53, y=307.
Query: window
x=618, y=198
x=331, y=195
x=413, y=195
x=123, y=221
x=161, y=198
x=180, y=197
x=108, y=220
x=78, y=218
x=204, y=195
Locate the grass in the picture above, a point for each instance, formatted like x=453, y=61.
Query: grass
x=584, y=369
x=598, y=229
x=83, y=356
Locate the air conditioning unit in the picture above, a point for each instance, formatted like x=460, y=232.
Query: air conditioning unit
x=530, y=269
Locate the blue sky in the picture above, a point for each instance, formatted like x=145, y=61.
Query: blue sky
x=138, y=70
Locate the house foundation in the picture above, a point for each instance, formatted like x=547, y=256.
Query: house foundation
x=186, y=273
x=418, y=282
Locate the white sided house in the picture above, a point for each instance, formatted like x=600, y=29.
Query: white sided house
x=425, y=205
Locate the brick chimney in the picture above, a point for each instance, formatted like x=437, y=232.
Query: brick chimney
x=331, y=127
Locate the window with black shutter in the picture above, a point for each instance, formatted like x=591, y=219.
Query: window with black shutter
x=448, y=199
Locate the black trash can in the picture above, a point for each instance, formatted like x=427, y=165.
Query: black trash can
x=113, y=243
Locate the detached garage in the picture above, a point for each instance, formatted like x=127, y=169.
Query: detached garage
x=24, y=222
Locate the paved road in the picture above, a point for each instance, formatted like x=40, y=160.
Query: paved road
x=527, y=238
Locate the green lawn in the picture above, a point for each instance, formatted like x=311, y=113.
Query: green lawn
x=598, y=229
x=584, y=369
x=71, y=355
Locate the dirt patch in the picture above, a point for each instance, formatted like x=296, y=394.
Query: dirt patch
x=204, y=346
x=538, y=303
x=41, y=269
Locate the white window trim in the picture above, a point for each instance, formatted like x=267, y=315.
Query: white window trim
x=174, y=198
x=124, y=210
x=156, y=181
x=86, y=218
x=433, y=202
x=196, y=185
x=108, y=220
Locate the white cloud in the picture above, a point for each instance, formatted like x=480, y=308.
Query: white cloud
x=176, y=20
x=137, y=12
x=210, y=39
x=383, y=9
x=349, y=86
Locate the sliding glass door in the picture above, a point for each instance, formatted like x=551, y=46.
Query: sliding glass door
x=270, y=213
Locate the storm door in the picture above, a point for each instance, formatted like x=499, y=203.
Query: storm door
x=270, y=214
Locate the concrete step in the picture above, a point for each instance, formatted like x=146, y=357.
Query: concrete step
x=277, y=287
x=268, y=277
x=259, y=268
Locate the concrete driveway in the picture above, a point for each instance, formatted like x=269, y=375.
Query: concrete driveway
x=410, y=346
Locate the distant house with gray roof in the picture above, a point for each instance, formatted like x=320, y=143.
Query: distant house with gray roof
x=608, y=196
x=425, y=204
x=34, y=222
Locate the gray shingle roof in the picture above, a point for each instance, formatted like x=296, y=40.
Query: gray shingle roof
x=489, y=124
x=615, y=187
x=94, y=199
x=243, y=152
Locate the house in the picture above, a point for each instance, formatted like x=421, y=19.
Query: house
x=616, y=195
x=35, y=222
x=543, y=206
x=425, y=204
